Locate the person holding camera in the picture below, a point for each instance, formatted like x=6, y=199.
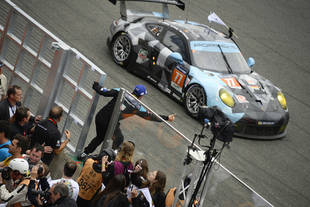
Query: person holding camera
x=59, y=197
x=90, y=180
x=38, y=184
x=15, y=188
x=121, y=165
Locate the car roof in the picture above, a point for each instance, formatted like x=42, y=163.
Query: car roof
x=192, y=31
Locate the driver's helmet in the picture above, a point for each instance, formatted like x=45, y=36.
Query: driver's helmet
x=20, y=165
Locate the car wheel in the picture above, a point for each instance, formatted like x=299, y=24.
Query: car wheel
x=194, y=97
x=121, y=49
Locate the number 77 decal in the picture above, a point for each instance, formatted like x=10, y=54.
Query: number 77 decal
x=177, y=79
x=232, y=82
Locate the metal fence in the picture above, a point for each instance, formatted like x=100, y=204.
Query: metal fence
x=49, y=71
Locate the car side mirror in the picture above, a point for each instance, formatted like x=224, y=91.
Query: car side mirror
x=177, y=57
x=251, y=62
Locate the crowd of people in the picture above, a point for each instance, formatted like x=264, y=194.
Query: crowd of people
x=28, y=145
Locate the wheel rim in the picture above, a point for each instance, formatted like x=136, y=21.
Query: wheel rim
x=195, y=97
x=121, y=48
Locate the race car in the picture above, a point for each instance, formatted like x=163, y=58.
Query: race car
x=198, y=66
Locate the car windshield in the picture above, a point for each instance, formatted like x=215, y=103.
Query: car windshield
x=211, y=55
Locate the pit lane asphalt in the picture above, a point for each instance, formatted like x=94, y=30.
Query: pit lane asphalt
x=275, y=33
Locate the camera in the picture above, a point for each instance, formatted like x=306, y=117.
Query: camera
x=5, y=173
x=221, y=126
x=44, y=195
x=106, y=152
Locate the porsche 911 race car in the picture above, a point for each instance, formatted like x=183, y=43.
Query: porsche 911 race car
x=199, y=66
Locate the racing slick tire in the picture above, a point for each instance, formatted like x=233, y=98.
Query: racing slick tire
x=121, y=49
x=195, y=96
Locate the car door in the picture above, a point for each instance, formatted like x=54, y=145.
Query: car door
x=176, y=73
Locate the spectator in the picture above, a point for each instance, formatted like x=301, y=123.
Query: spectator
x=19, y=121
x=121, y=165
x=4, y=141
x=60, y=196
x=139, y=176
x=3, y=83
x=46, y=133
x=68, y=172
x=35, y=155
x=15, y=189
x=9, y=105
x=90, y=179
x=140, y=183
x=113, y=195
x=131, y=107
x=17, y=148
x=158, y=182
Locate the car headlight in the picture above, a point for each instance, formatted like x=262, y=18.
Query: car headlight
x=282, y=100
x=227, y=98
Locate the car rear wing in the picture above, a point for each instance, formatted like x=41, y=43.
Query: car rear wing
x=165, y=12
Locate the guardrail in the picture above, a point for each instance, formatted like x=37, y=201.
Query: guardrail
x=49, y=71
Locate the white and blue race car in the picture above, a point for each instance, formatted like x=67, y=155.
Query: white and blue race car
x=199, y=66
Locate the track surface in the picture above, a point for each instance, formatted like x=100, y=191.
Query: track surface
x=275, y=33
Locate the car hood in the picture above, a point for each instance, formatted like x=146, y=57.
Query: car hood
x=251, y=92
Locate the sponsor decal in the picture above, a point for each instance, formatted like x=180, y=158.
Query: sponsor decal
x=152, y=79
x=265, y=123
x=255, y=87
x=241, y=99
x=177, y=80
x=176, y=96
x=213, y=46
x=232, y=82
x=142, y=56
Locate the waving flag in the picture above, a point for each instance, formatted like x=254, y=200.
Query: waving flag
x=214, y=18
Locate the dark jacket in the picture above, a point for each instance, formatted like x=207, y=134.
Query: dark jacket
x=64, y=202
x=15, y=128
x=159, y=199
x=47, y=133
x=4, y=109
x=129, y=107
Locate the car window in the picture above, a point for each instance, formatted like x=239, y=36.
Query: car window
x=155, y=29
x=175, y=43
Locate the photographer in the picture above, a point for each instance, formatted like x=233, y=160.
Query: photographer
x=90, y=179
x=16, y=186
x=59, y=196
x=38, y=184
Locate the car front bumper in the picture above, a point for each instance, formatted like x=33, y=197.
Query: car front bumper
x=262, y=126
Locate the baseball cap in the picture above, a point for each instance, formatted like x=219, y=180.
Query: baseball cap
x=140, y=90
